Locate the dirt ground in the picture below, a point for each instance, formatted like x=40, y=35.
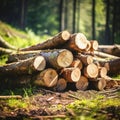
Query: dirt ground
x=47, y=104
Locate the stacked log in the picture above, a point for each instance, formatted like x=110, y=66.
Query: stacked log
x=64, y=61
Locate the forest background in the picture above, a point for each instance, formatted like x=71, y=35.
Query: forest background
x=97, y=19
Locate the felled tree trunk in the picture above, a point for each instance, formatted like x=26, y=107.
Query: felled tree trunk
x=58, y=58
x=22, y=55
x=54, y=42
x=71, y=74
x=47, y=78
x=82, y=83
x=27, y=66
x=98, y=84
x=91, y=71
x=86, y=59
x=78, y=42
x=61, y=85
x=113, y=66
x=94, y=45
x=110, y=49
x=77, y=63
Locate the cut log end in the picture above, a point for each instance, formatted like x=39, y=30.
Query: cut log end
x=94, y=44
x=82, y=84
x=47, y=78
x=103, y=72
x=39, y=63
x=75, y=75
x=81, y=41
x=65, y=35
x=91, y=71
x=61, y=85
x=65, y=58
x=101, y=84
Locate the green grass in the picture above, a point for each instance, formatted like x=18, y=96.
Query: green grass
x=18, y=38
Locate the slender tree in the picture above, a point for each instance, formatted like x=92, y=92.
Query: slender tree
x=93, y=19
x=107, y=28
x=74, y=16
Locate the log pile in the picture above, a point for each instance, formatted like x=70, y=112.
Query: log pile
x=64, y=61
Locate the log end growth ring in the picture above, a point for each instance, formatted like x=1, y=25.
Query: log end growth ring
x=75, y=75
x=65, y=58
x=50, y=78
x=81, y=41
x=65, y=35
x=39, y=63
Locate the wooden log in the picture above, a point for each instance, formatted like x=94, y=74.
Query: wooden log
x=112, y=83
x=86, y=59
x=58, y=58
x=78, y=42
x=88, y=46
x=98, y=84
x=91, y=71
x=61, y=85
x=82, y=83
x=113, y=66
x=94, y=45
x=102, y=72
x=27, y=66
x=16, y=81
x=54, y=42
x=77, y=63
x=22, y=55
x=47, y=78
x=105, y=55
x=71, y=74
x=110, y=49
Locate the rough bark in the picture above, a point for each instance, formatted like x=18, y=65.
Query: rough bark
x=91, y=71
x=82, y=83
x=78, y=42
x=47, y=78
x=113, y=66
x=110, y=49
x=54, y=42
x=104, y=55
x=27, y=66
x=71, y=74
x=15, y=57
x=58, y=58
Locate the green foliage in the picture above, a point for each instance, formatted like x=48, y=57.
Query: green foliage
x=17, y=103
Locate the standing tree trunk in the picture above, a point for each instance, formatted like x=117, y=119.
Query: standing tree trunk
x=74, y=16
x=93, y=19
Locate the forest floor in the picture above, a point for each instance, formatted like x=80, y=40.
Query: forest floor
x=47, y=104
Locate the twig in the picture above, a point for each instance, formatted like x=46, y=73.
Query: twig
x=11, y=97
